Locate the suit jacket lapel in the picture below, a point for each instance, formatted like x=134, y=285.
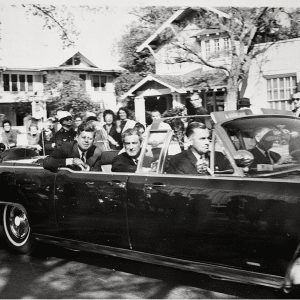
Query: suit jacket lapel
x=93, y=155
x=192, y=158
x=275, y=156
x=75, y=152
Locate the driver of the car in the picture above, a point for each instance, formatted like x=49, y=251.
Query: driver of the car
x=80, y=154
x=265, y=138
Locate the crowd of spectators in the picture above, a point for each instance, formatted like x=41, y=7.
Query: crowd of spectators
x=44, y=137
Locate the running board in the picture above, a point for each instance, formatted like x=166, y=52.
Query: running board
x=215, y=271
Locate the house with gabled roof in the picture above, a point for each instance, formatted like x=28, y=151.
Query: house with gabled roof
x=24, y=81
x=175, y=79
x=272, y=80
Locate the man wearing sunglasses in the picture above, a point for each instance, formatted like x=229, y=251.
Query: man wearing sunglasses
x=296, y=100
x=66, y=133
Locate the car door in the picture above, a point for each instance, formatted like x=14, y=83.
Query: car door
x=241, y=222
x=185, y=217
x=91, y=207
x=36, y=186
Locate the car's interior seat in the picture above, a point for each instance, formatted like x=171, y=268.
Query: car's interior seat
x=106, y=159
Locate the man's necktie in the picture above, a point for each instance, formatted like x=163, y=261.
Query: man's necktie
x=268, y=157
x=82, y=157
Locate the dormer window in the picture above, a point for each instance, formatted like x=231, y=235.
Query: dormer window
x=73, y=61
x=69, y=62
x=77, y=60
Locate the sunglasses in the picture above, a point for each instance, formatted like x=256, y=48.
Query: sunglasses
x=68, y=119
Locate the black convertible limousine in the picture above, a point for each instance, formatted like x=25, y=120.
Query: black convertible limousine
x=240, y=224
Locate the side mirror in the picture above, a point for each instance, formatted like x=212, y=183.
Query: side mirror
x=243, y=158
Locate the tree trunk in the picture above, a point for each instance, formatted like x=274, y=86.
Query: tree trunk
x=232, y=94
x=233, y=84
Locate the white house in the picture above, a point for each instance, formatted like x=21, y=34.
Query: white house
x=25, y=82
x=174, y=80
x=274, y=75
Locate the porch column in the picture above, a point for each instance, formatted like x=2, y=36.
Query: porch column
x=140, y=111
x=39, y=108
x=214, y=100
x=176, y=100
x=169, y=102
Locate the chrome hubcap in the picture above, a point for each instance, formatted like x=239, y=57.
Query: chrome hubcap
x=18, y=223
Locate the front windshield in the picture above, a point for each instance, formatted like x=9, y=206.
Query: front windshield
x=274, y=141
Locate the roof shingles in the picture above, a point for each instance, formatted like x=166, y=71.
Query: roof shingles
x=195, y=79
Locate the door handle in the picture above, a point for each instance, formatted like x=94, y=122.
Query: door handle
x=150, y=186
x=113, y=182
x=89, y=183
x=159, y=184
x=119, y=183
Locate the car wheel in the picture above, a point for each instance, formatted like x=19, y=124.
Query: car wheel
x=17, y=230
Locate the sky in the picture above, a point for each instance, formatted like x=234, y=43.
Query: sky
x=25, y=42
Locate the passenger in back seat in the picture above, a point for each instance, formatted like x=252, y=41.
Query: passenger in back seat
x=128, y=160
x=80, y=154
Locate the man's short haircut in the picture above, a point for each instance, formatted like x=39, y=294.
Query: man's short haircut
x=6, y=121
x=260, y=132
x=138, y=126
x=91, y=118
x=89, y=127
x=155, y=110
x=192, y=126
x=131, y=131
x=109, y=112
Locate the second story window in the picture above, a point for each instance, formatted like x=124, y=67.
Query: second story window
x=226, y=44
x=103, y=82
x=99, y=83
x=281, y=87
x=207, y=47
x=217, y=45
x=22, y=82
x=96, y=82
x=6, y=82
x=30, y=83
x=14, y=82
x=17, y=83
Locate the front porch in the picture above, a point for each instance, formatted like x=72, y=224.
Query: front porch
x=163, y=92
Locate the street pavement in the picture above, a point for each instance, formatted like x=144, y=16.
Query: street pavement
x=56, y=273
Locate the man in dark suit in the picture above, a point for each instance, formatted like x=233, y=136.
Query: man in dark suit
x=264, y=138
x=195, y=160
x=199, y=110
x=79, y=155
x=128, y=160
